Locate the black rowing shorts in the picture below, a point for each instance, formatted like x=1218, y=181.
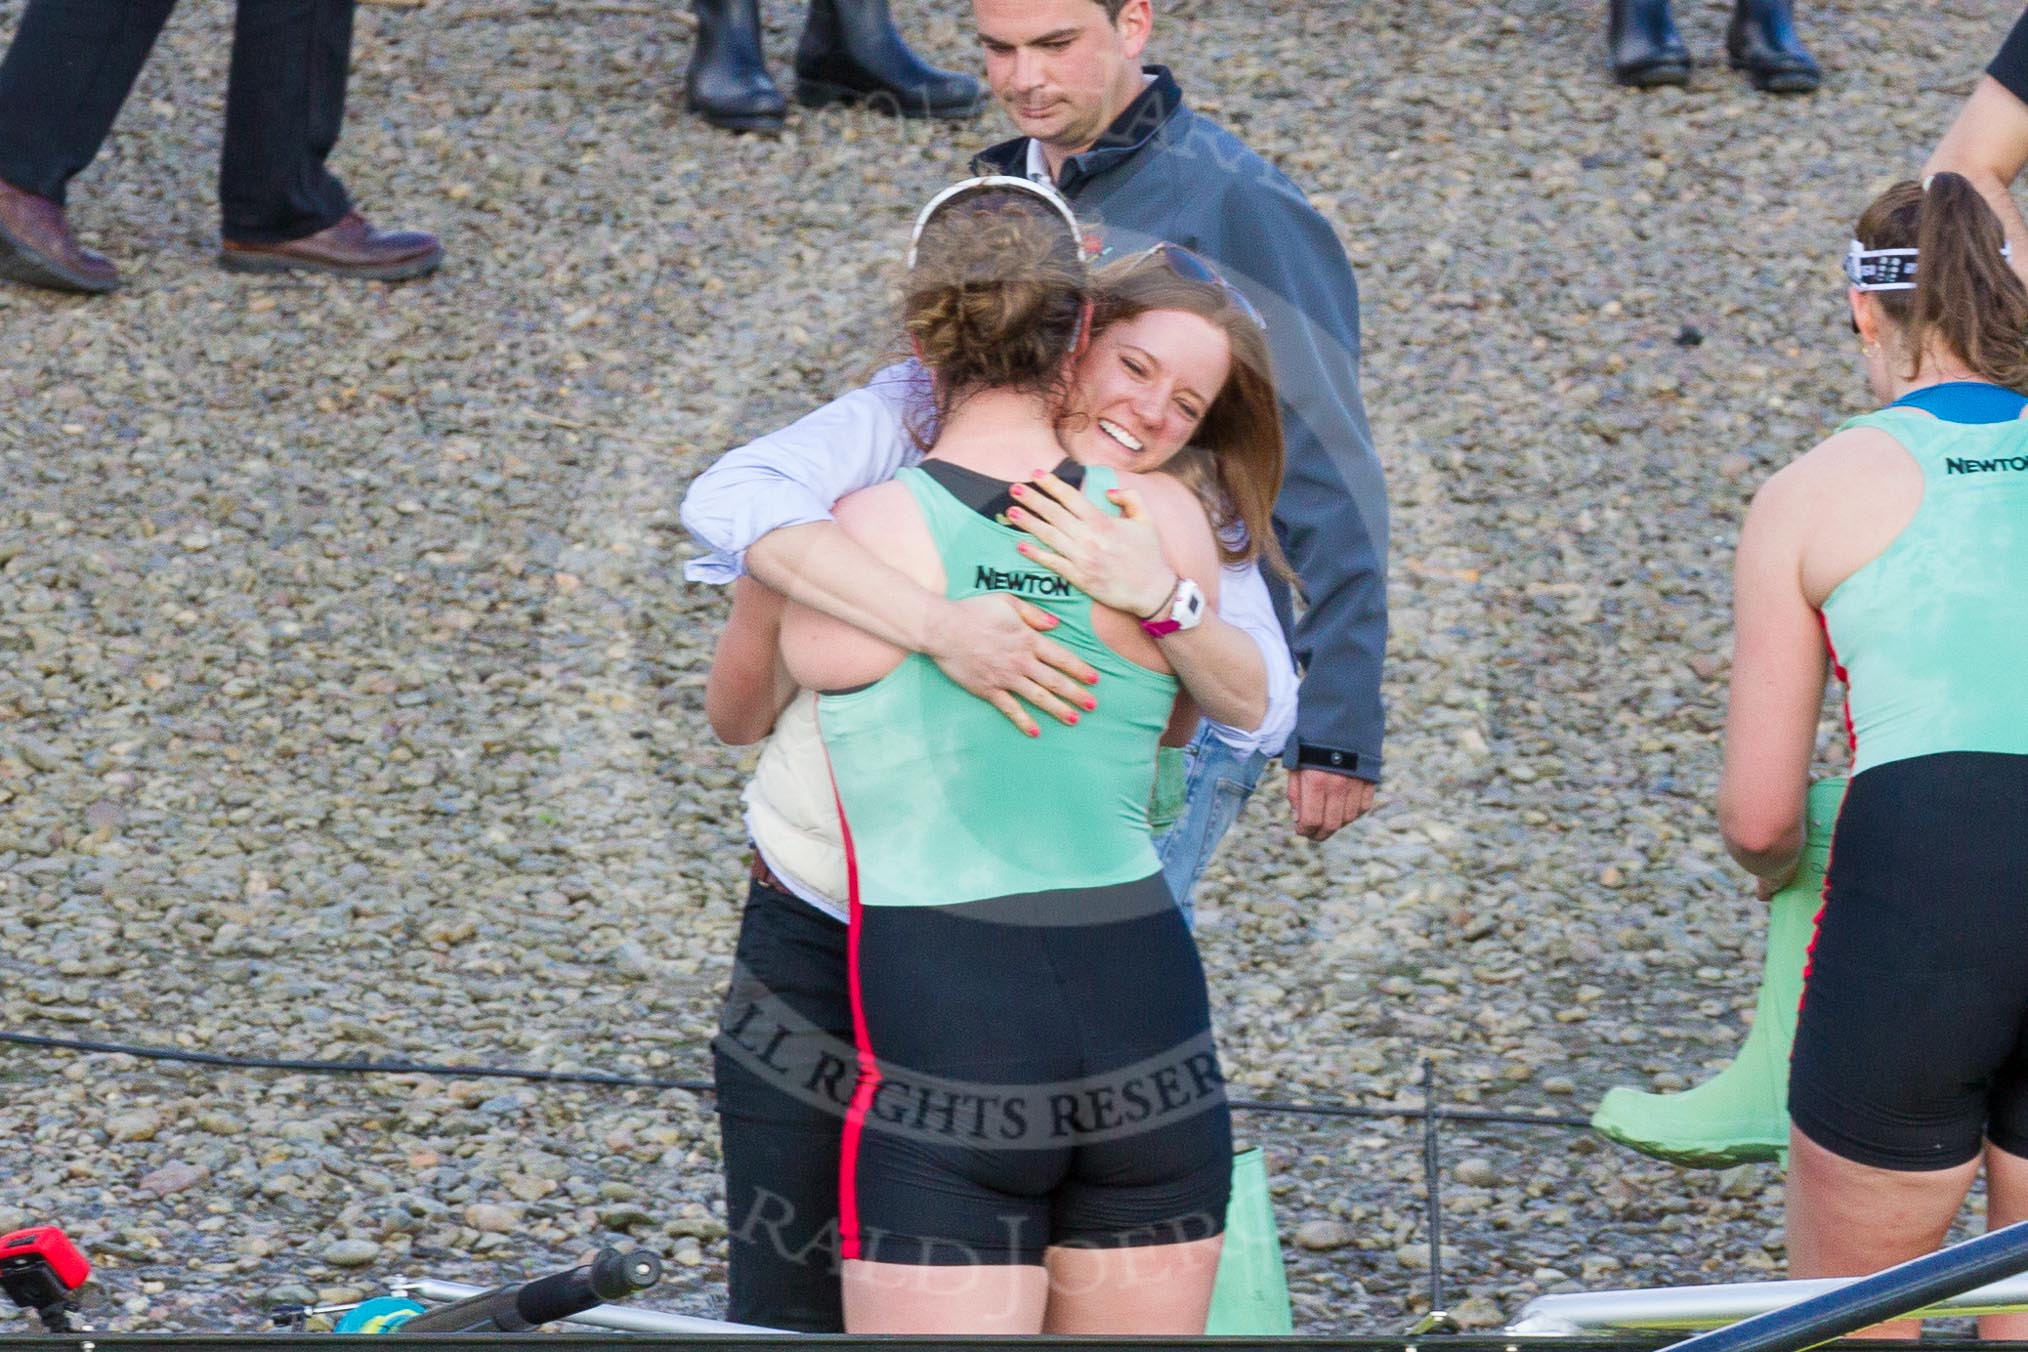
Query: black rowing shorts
x=1044, y=1075
x=1910, y=1048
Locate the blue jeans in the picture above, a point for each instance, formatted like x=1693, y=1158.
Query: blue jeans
x=1218, y=781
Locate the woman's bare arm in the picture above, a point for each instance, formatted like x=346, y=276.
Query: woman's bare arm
x=992, y=646
x=1778, y=672
x=749, y=685
x=825, y=652
x=1988, y=144
x=1131, y=563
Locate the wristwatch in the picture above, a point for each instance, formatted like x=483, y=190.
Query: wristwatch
x=1183, y=610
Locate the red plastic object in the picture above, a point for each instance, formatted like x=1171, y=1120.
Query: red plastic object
x=45, y=1246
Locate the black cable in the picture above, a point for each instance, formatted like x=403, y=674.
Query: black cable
x=694, y=1086
x=1410, y=1114
x=356, y=1067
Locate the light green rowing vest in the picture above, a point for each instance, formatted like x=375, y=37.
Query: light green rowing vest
x=944, y=800
x=1931, y=637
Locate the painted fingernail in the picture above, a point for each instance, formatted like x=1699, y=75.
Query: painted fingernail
x=1073, y=720
x=1090, y=705
x=1035, y=732
x=1018, y=489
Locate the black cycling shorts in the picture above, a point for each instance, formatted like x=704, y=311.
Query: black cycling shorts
x=782, y=1062
x=1043, y=1075
x=1910, y=1048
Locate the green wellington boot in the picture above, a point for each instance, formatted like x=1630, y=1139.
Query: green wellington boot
x=1741, y=1115
x=1252, y=1295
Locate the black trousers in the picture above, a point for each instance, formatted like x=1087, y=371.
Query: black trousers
x=782, y=1063
x=73, y=63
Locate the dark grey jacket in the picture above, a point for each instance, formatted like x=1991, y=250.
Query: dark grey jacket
x=1161, y=172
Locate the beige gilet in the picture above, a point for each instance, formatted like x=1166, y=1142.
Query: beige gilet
x=792, y=813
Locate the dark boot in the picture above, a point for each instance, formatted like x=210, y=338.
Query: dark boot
x=1645, y=46
x=851, y=53
x=729, y=84
x=1762, y=42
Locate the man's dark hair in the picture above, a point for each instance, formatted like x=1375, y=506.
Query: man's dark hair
x=1113, y=8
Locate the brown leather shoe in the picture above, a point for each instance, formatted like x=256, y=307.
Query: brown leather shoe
x=36, y=247
x=351, y=248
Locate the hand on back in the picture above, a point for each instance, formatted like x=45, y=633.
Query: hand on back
x=1118, y=561
x=994, y=647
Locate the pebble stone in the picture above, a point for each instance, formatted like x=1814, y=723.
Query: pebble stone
x=135, y=1126
x=351, y=694
x=1476, y=1173
x=351, y=1253
x=1324, y=1236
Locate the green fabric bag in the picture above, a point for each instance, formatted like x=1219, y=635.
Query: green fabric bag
x=1252, y=1295
x=1165, y=801
x=1741, y=1114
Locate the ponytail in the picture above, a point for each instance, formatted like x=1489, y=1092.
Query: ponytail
x=1965, y=295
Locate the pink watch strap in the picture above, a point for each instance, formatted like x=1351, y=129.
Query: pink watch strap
x=1163, y=621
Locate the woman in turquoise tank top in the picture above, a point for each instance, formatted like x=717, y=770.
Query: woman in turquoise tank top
x=1038, y=1137
x=1172, y=365
x=1895, y=555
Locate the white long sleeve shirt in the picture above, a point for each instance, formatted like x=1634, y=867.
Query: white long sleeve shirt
x=793, y=477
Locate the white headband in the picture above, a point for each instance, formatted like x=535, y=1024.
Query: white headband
x=1888, y=269
x=1007, y=181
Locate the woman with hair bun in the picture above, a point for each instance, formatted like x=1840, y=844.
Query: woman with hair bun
x=1171, y=374
x=1038, y=1138
x=1896, y=555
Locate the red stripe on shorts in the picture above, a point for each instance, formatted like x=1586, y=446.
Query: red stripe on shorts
x=868, y=1084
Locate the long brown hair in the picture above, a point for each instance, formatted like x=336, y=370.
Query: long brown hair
x=1235, y=462
x=1965, y=294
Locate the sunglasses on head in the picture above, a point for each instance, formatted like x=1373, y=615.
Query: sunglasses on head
x=1192, y=268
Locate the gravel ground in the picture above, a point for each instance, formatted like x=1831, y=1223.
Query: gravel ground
x=351, y=698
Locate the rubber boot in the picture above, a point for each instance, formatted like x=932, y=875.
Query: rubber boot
x=729, y=84
x=1251, y=1297
x=1762, y=41
x=1741, y=1115
x=1646, y=50
x=852, y=53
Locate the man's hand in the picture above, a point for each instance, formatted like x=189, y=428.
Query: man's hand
x=1323, y=801
x=993, y=647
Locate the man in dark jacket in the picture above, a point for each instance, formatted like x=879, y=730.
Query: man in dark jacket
x=1118, y=140
x=70, y=67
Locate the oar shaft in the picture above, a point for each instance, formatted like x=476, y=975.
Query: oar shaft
x=1870, y=1300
